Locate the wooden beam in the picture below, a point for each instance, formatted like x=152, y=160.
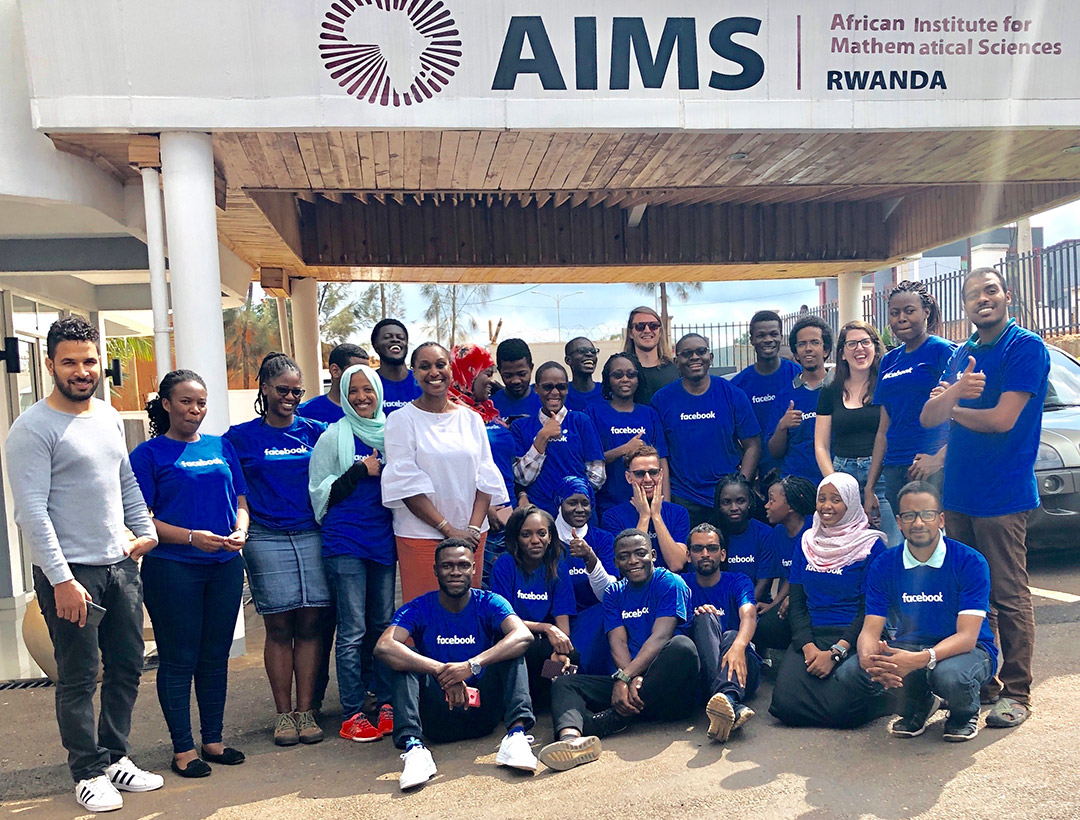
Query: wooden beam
x=282, y=212
x=144, y=151
x=275, y=281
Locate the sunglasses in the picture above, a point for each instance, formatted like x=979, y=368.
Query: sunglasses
x=623, y=374
x=640, y=326
x=585, y=351
x=694, y=351
x=925, y=515
x=653, y=473
x=697, y=549
x=297, y=392
x=548, y=387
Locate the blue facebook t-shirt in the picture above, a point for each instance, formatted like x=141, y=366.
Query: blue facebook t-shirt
x=534, y=596
x=676, y=519
x=664, y=595
x=832, y=596
x=800, y=459
x=732, y=591
x=928, y=600
x=903, y=386
x=502, y=453
x=397, y=394
x=782, y=546
x=193, y=485
x=321, y=409
x=702, y=433
x=579, y=401
x=749, y=552
x=275, y=462
x=602, y=543
x=449, y=637
x=359, y=525
x=764, y=393
x=512, y=408
x=615, y=430
x=564, y=456
x=991, y=474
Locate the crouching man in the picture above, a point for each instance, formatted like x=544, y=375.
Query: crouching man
x=944, y=649
x=466, y=672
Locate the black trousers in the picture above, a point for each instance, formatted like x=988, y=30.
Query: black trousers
x=712, y=644
x=540, y=687
x=117, y=644
x=668, y=688
x=699, y=513
x=773, y=632
x=421, y=710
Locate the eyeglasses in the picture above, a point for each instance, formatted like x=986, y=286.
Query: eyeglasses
x=925, y=515
x=854, y=344
x=548, y=387
x=697, y=549
x=640, y=326
x=623, y=374
x=694, y=351
x=297, y=392
x=808, y=343
x=653, y=473
x=585, y=351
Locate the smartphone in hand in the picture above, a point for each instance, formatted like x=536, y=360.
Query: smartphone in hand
x=94, y=614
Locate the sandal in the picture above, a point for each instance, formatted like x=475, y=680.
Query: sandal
x=1007, y=713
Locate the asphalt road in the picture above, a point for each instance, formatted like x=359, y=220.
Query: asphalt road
x=668, y=771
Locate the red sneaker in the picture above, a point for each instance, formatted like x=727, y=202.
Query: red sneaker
x=386, y=719
x=359, y=728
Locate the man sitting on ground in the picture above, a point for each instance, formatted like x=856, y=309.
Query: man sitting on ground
x=656, y=668
x=944, y=648
x=467, y=641
x=725, y=617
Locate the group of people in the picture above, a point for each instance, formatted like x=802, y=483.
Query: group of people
x=620, y=551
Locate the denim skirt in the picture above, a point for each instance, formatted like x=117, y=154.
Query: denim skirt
x=285, y=569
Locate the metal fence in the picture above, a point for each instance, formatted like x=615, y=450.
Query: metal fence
x=1045, y=286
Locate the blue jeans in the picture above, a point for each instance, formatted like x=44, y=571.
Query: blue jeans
x=364, y=596
x=493, y=548
x=193, y=608
x=859, y=469
x=712, y=644
x=957, y=679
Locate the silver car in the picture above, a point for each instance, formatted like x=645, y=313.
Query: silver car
x=1056, y=523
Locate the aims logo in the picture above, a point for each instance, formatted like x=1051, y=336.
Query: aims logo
x=390, y=52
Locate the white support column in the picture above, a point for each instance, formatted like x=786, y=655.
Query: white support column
x=283, y=324
x=849, y=294
x=159, y=286
x=305, y=314
x=187, y=163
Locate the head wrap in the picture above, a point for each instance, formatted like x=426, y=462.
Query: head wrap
x=572, y=485
x=851, y=539
x=468, y=361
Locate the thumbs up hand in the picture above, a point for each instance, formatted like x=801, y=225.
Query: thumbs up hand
x=970, y=384
x=791, y=418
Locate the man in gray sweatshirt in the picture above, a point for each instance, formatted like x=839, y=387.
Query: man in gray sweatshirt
x=75, y=496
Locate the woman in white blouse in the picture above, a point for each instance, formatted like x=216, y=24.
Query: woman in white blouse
x=440, y=477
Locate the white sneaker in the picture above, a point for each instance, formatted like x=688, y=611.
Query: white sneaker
x=516, y=752
x=128, y=777
x=98, y=794
x=419, y=768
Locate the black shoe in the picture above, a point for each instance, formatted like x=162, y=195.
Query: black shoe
x=743, y=713
x=609, y=722
x=959, y=729
x=229, y=757
x=914, y=723
x=194, y=768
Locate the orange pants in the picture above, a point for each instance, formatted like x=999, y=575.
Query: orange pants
x=416, y=562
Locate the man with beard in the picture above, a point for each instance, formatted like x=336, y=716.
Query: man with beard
x=390, y=340
x=469, y=645
x=581, y=357
x=997, y=384
x=75, y=495
x=710, y=427
x=725, y=617
x=766, y=379
x=792, y=443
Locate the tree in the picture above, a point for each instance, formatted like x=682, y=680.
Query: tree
x=682, y=291
x=344, y=313
x=448, y=313
x=251, y=332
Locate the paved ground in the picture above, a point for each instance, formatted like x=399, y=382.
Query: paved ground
x=771, y=772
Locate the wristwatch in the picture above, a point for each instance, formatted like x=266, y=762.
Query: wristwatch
x=474, y=666
x=620, y=675
x=838, y=653
x=930, y=664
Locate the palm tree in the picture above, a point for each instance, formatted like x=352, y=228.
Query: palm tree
x=682, y=291
x=130, y=350
x=251, y=332
x=448, y=312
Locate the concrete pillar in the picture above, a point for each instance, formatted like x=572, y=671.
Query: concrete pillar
x=849, y=294
x=187, y=162
x=305, y=304
x=283, y=324
x=159, y=286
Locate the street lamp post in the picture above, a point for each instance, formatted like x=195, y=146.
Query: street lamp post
x=557, y=298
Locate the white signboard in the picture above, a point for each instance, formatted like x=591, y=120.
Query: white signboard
x=678, y=64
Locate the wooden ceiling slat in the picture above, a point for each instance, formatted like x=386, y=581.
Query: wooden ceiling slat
x=413, y=159
x=485, y=150
x=467, y=143
x=499, y=158
x=365, y=145
x=311, y=163
x=380, y=143
x=395, y=143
